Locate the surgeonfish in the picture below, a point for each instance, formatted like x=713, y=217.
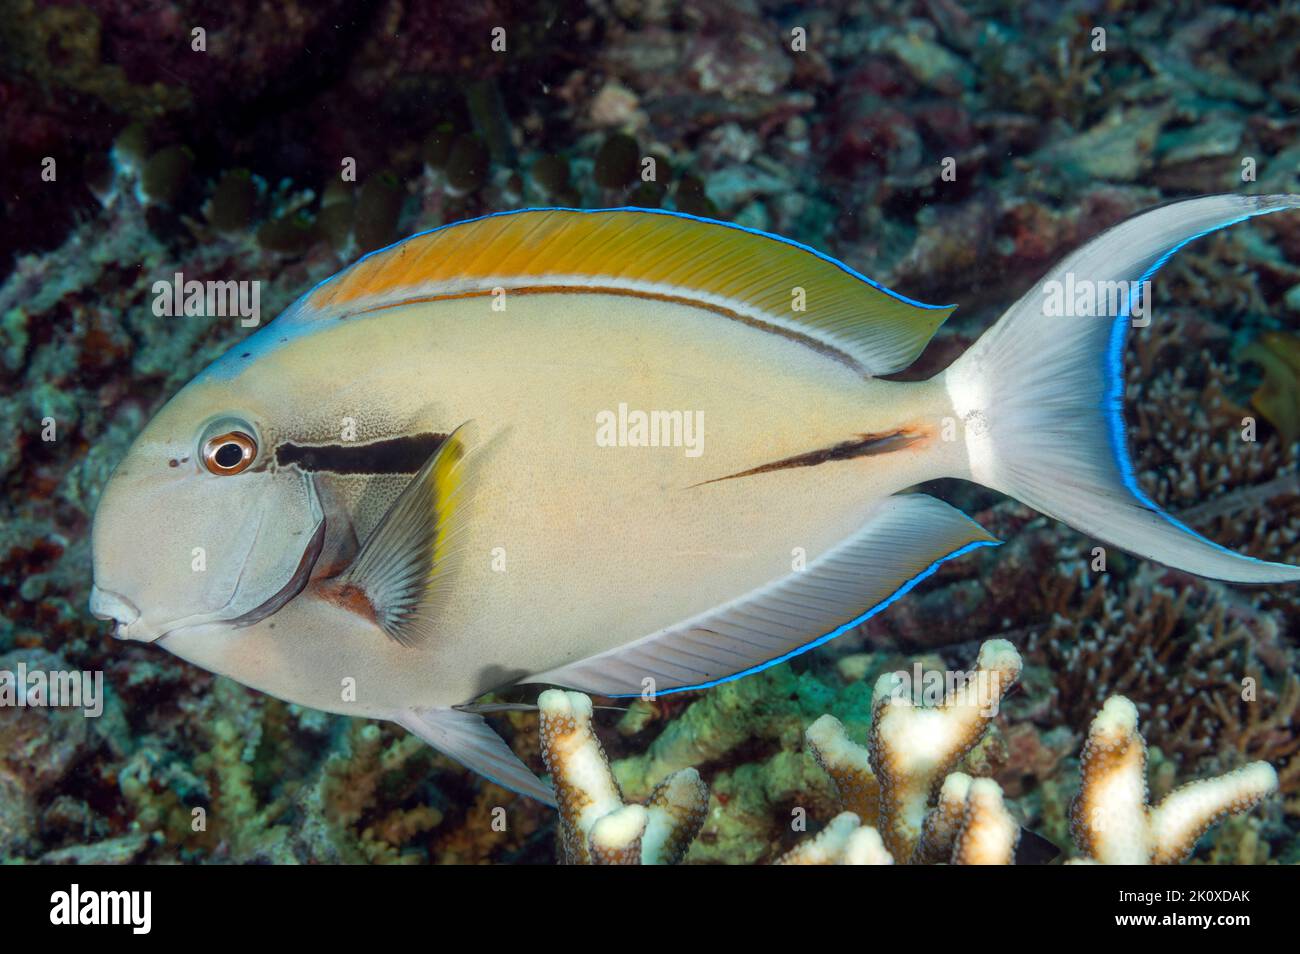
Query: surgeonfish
x=623, y=451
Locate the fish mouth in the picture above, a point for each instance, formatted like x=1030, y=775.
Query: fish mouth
x=108, y=604
x=105, y=604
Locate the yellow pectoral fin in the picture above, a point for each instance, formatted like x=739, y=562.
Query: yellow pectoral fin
x=739, y=273
x=396, y=575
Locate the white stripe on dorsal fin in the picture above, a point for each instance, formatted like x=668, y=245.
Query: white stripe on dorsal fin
x=467, y=738
x=740, y=273
x=904, y=540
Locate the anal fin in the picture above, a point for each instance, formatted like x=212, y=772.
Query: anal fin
x=905, y=540
x=467, y=738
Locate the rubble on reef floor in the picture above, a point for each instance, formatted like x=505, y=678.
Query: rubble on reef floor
x=842, y=146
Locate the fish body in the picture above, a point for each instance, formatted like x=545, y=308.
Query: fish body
x=621, y=451
x=555, y=514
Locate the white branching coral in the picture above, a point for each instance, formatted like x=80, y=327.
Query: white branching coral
x=988, y=834
x=849, y=766
x=969, y=825
x=596, y=827
x=1110, y=819
x=845, y=841
x=911, y=751
x=902, y=796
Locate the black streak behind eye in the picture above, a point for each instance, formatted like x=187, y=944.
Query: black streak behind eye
x=396, y=455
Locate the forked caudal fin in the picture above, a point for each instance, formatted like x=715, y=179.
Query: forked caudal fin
x=1041, y=394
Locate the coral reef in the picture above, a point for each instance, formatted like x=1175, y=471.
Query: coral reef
x=903, y=780
x=830, y=124
x=969, y=825
x=596, y=827
x=1111, y=820
x=1226, y=710
x=913, y=748
x=844, y=841
x=927, y=814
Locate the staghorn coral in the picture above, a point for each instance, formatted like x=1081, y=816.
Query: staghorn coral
x=1263, y=727
x=596, y=827
x=338, y=807
x=912, y=748
x=966, y=821
x=1193, y=451
x=262, y=792
x=1111, y=820
x=969, y=825
x=849, y=766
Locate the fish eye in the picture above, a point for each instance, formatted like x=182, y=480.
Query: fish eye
x=229, y=453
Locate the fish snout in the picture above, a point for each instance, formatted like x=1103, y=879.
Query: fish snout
x=105, y=604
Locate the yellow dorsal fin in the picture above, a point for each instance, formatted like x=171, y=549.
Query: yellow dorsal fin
x=742, y=273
